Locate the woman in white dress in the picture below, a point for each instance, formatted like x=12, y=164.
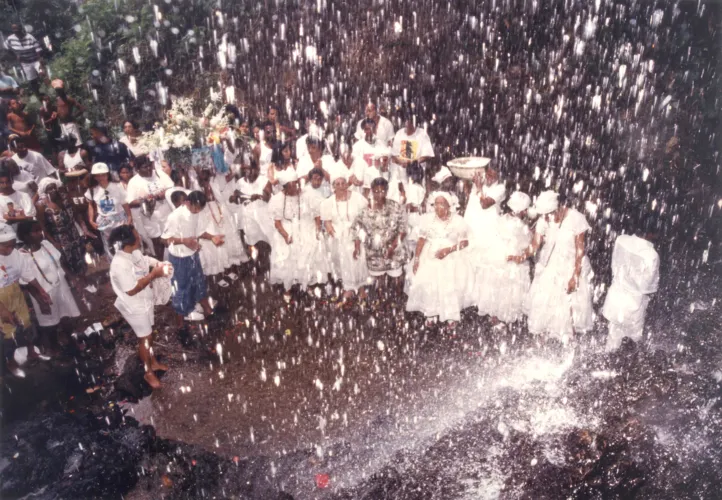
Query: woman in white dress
x=263, y=151
x=50, y=272
x=338, y=214
x=560, y=298
x=483, y=214
x=296, y=252
x=281, y=160
x=440, y=284
x=515, y=278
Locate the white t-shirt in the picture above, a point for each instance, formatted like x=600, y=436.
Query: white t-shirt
x=126, y=270
x=366, y=151
x=48, y=261
x=182, y=223
x=35, y=164
x=109, y=200
x=15, y=267
x=141, y=187
x=384, y=131
x=412, y=147
x=20, y=201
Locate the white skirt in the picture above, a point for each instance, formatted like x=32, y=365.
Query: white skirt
x=141, y=323
x=304, y=261
x=515, y=282
x=352, y=272
x=440, y=287
x=64, y=305
x=553, y=311
x=214, y=259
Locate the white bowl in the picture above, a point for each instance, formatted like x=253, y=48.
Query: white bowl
x=467, y=166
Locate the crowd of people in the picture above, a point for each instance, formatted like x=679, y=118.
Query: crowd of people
x=372, y=214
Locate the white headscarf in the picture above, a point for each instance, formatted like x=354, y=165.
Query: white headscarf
x=441, y=175
x=6, y=233
x=546, y=203
x=285, y=176
x=338, y=173
x=444, y=195
x=518, y=202
x=45, y=183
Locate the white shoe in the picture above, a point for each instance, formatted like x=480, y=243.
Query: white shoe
x=20, y=355
x=18, y=372
x=195, y=316
x=198, y=308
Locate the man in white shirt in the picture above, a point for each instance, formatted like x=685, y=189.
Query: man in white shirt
x=411, y=148
x=383, y=129
x=30, y=161
x=183, y=234
x=145, y=195
x=22, y=181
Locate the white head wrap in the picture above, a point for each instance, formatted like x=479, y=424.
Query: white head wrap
x=546, y=203
x=6, y=233
x=338, y=173
x=381, y=152
x=444, y=195
x=441, y=175
x=45, y=183
x=518, y=202
x=286, y=176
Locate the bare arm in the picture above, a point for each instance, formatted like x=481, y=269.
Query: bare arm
x=143, y=282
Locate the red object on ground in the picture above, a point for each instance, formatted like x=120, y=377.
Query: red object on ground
x=322, y=480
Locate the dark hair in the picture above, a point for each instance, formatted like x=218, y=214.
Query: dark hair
x=142, y=160
x=132, y=123
x=272, y=106
x=380, y=181
x=278, y=147
x=175, y=197
x=367, y=121
x=197, y=198
x=415, y=171
x=100, y=127
x=315, y=171
x=315, y=141
x=125, y=165
x=123, y=234
x=24, y=228
x=405, y=113
x=268, y=123
x=4, y=172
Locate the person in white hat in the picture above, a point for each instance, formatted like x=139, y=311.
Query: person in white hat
x=635, y=277
x=338, y=214
x=107, y=204
x=15, y=320
x=440, y=285
x=483, y=214
x=298, y=256
x=559, y=303
x=445, y=181
x=513, y=279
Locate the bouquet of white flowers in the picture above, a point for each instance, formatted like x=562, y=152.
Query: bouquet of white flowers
x=180, y=129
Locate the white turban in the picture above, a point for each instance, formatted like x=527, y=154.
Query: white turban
x=44, y=184
x=518, y=202
x=546, y=203
x=286, y=176
x=441, y=175
x=6, y=233
x=340, y=173
x=444, y=195
x=381, y=152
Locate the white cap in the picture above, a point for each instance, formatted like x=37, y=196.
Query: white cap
x=442, y=175
x=99, y=168
x=6, y=233
x=518, y=202
x=546, y=203
x=286, y=176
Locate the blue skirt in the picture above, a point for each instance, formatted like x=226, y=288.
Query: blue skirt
x=189, y=283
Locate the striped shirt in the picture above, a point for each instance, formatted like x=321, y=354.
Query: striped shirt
x=27, y=49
